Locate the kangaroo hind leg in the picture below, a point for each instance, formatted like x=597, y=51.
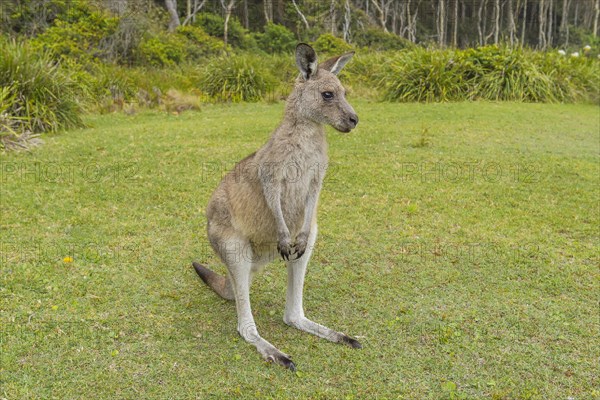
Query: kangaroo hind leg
x=294, y=310
x=241, y=263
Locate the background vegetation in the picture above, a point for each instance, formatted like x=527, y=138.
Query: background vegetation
x=124, y=55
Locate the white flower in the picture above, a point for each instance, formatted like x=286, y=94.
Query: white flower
x=575, y=54
x=587, y=48
x=562, y=52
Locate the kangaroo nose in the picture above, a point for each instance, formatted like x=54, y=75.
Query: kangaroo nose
x=354, y=119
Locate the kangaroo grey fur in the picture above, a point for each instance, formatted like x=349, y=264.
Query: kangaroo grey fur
x=267, y=204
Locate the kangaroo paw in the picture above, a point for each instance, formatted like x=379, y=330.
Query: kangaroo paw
x=355, y=344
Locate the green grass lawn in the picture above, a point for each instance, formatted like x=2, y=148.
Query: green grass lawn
x=458, y=242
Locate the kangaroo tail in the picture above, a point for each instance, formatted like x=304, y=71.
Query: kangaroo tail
x=219, y=283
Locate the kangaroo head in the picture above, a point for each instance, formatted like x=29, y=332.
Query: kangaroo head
x=319, y=96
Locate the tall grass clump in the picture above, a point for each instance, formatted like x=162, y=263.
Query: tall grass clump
x=236, y=78
x=38, y=95
x=502, y=73
x=423, y=75
x=574, y=78
x=488, y=73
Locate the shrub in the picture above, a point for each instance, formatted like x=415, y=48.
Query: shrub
x=282, y=66
x=214, y=25
x=37, y=94
x=187, y=43
x=574, y=78
x=30, y=17
x=579, y=37
x=378, y=40
x=276, y=39
x=365, y=67
x=78, y=33
x=237, y=78
x=198, y=43
x=489, y=72
x=164, y=49
x=331, y=45
x=502, y=73
x=422, y=75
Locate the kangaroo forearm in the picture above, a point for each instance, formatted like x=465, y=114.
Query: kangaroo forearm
x=273, y=199
x=309, y=211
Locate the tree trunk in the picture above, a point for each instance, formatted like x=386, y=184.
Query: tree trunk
x=596, y=16
x=414, y=23
x=172, y=8
x=441, y=23
x=496, y=21
x=268, y=7
x=246, y=18
x=564, y=24
x=588, y=15
x=394, y=19
x=550, y=18
x=302, y=17
x=455, y=25
x=197, y=8
x=347, y=20
x=403, y=28
x=226, y=28
x=228, y=10
x=332, y=16
x=382, y=15
x=511, y=23
x=524, y=23
x=480, y=21
x=542, y=25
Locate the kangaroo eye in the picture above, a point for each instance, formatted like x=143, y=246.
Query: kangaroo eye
x=327, y=95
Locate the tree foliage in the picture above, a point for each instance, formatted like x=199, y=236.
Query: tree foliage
x=456, y=23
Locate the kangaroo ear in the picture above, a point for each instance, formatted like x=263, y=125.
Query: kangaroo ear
x=335, y=64
x=306, y=60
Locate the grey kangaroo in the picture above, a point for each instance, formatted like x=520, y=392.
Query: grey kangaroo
x=267, y=205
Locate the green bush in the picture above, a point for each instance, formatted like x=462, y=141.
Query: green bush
x=502, y=73
x=187, y=43
x=580, y=37
x=363, y=71
x=573, y=78
x=378, y=40
x=38, y=95
x=30, y=17
x=236, y=78
x=198, y=43
x=423, y=75
x=282, y=67
x=164, y=49
x=490, y=73
x=78, y=33
x=236, y=34
x=330, y=45
x=276, y=39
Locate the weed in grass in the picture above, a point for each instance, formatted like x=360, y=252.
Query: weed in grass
x=424, y=138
